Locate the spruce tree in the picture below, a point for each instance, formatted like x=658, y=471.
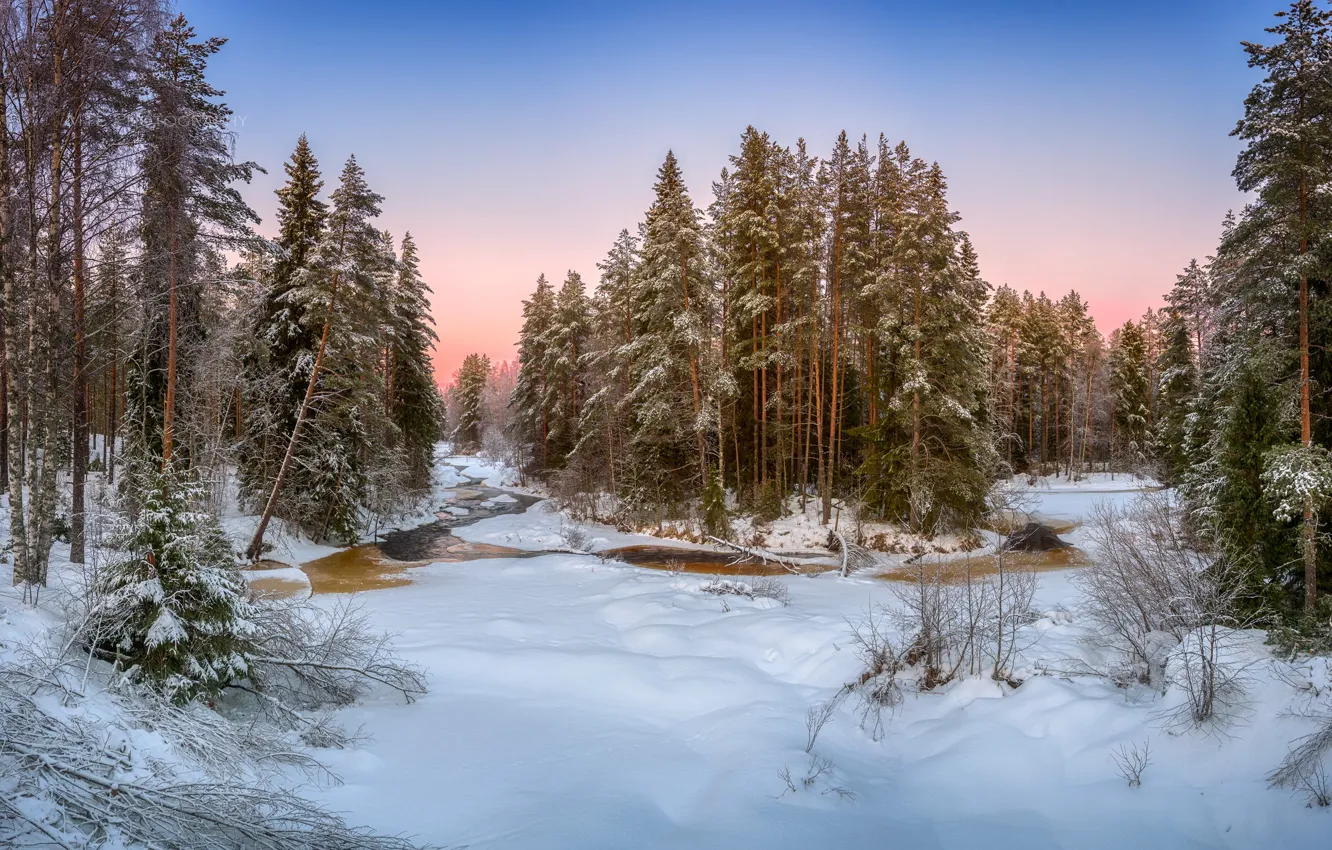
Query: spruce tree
x=469, y=389
x=566, y=349
x=531, y=396
x=1128, y=381
x=172, y=608
x=670, y=425
x=337, y=432
x=414, y=403
x=606, y=365
x=1178, y=388
x=1250, y=429
x=274, y=382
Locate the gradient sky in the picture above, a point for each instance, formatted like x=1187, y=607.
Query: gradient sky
x=1086, y=144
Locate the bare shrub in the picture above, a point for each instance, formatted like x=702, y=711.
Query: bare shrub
x=315, y=657
x=1173, y=613
x=1303, y=767
x=816, y=717
x=820, y=769
x=1132, y=760
x=965, y=624
x=576, y=537
x=877, y=688
x=1316, y=786
x=769, y=587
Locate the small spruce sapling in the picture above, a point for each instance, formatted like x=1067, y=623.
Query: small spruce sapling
x=173, y=607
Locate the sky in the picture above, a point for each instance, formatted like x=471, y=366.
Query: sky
x=1086, y=145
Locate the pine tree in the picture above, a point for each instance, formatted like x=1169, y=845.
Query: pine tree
x=1004, y=320
x=1287, y=162
x=189, y=193
x=931, y=455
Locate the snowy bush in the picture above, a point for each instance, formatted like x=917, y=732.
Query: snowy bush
x=1174, y=614
x=172, y=609
x=308, y=657
x=1149, y=587
x=75, y=774
x=877, y=687
x=1304, y=768
x=762, y=587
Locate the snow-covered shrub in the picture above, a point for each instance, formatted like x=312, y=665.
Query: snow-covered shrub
x=877, y=688
x=74, y=774
x=172, y=608
x=308, y=657
x=762, y=587
x=1305, y=767
x=575, y=536
x=1175, y=614
x=819, y=771
x=1208, y=666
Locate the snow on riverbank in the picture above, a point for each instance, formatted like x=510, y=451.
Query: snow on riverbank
x=576, y=703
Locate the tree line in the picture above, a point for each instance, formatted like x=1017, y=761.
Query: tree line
x=821, y=332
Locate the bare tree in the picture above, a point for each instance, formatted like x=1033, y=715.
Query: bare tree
x=1173, y=612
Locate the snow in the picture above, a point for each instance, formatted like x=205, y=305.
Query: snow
x=577, y=703
x=542, y=527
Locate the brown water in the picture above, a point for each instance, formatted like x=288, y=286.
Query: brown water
x=391, y=562
x=956, y=570
x=706, y=562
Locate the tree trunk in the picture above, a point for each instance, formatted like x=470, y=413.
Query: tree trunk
x=79, y=461
x=1310, y=529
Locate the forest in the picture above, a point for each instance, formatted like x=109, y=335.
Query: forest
x=150, y=333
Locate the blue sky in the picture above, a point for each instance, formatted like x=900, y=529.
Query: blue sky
x=1086, y=144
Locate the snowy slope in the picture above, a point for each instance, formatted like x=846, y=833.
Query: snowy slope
x=576, y=704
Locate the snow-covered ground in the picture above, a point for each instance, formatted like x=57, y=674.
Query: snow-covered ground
x=581, y=704
x=576, y=703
